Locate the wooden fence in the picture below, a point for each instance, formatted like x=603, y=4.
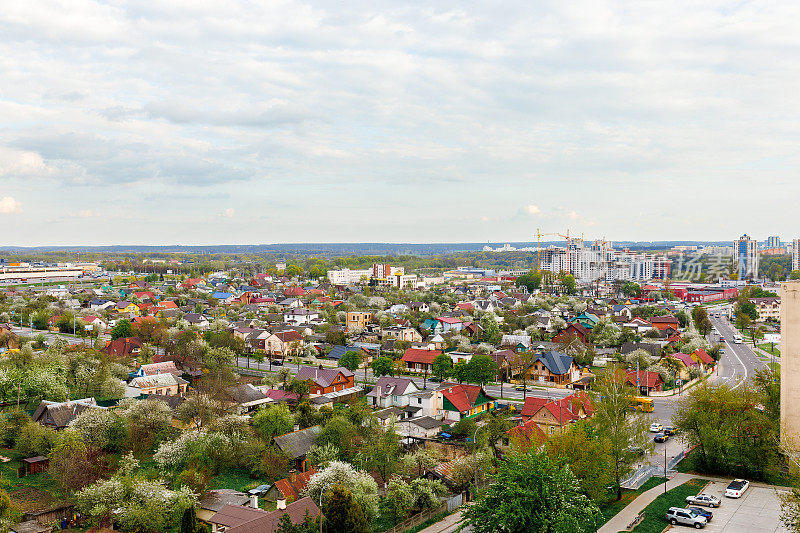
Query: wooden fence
x=417, y=519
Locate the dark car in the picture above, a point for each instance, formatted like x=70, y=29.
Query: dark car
x=702, y=512
x=669, y=430
x=661, y=437
x=277, y=362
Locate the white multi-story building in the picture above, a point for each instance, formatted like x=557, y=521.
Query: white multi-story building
x=796, y=254
x=601, y=262
x=346, y=276
x=745, y=252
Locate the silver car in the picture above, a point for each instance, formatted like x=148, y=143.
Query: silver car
x=703, y=499
x=686, y=517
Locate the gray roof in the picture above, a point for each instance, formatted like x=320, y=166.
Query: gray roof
x=556, y=362
x=297, y=443
x=321, y=376
x=214, y=500
x=387, y=385
x=425, y=422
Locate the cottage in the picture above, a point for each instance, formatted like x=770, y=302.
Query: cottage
x=463, y=401
x=645, y=381
x=326, y=380
x=421, y=361
x=166, y=384
x=296, y=445
x=238, y=519
x=58, y=415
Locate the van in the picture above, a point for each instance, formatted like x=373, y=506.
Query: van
x=737, y=339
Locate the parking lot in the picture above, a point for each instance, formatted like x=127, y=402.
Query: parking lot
x=755, y=512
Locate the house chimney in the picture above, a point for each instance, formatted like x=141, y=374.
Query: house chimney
x=254, y=501
x=281, y=503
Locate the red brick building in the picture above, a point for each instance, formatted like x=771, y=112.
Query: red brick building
x=325, y=380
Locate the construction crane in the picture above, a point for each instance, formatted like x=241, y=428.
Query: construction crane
x=539, y=236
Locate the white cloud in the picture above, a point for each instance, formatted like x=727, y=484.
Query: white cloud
x=8, y=205
x=592, y=101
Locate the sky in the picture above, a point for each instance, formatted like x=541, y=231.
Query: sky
x=196, y=122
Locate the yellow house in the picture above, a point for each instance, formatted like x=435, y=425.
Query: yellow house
x=160, y=384
x=129, y=308
x=359, y=319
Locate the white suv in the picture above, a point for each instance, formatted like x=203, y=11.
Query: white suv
x=686, y=517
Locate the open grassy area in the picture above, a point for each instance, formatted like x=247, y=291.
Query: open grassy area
x=654, y=513
x=33, y=492
x=771, y=348
x=612, y=506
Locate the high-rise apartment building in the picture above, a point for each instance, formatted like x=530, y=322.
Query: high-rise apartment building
x=745, y=253
x=796, y=254
x=773, y=241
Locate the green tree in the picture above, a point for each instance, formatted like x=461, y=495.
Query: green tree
x=270, y=422
x=531, y=281
x=614, y=420
x=339, y=431
x=442, y=366
x=481, y=368
x=343, y=513
x=382, y=366
x=491, y=331
x=531, y=493
x=351, y=360
x=569, y=284
x=587, y=455
x=122, y=330
x=795, y=274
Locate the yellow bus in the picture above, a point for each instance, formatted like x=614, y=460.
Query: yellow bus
x=641, y=404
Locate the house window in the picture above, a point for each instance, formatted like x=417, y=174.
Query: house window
x=419, y=400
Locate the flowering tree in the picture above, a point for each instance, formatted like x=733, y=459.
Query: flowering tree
x=361, y=484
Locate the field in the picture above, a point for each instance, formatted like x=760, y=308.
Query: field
x=31, y=493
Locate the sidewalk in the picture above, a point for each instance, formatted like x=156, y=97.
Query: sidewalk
x=623, y=518
x=447, y=525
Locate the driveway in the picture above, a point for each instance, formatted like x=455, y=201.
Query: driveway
x=755, y=512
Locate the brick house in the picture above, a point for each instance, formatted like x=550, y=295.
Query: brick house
x=325, y=380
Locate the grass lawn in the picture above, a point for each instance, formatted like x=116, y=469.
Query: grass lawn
x=654, y=513
x=34, y=492
x=237, y=479
x=767, y=348
x=612, y=507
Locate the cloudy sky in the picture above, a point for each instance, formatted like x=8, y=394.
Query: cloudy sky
x=199, y=122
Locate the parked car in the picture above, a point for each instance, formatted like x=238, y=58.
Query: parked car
x=655, y=427
x=736, y=488
x=669, y=430
x=686, y=517
x=704, y=499
x=703, y=512
x=277, y=362
x=261, y=490
x=661, y=437
x=636, y=450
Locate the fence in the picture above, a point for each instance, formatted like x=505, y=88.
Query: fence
x=454, y=502
x=417, y=519
x=639, y=476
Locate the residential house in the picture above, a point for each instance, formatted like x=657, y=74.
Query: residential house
x=638, y=325
x=283, y=343
x=214, y=500
x=290, y=488
x=123, y=347
x=300, y=316
x=421, y=361
x=223, y=298
x=464, y=400
x=768, y=308
x=554, y=368
x=101, y=304
x=95, y=322
x=552, y=415
x=197, y=320
x=653, y=349
x=245, y=397
x=401, y=333
x=526, y=435
x=127, y=308
x=391, y=391
x=326, y=380
x=164, y=367
x=518, y=343
x=420, y=427
x=159, y=384
x=574, y=330
x=359, y=319
x=296, y=445
x=665, y=322
x=58, y=415
x=450, y=324
x=238, y=519
x=419, y=307
x=645, y=381
x=432, y=326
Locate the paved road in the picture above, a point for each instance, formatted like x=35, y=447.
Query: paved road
x=739, y=362
x=50, y=336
